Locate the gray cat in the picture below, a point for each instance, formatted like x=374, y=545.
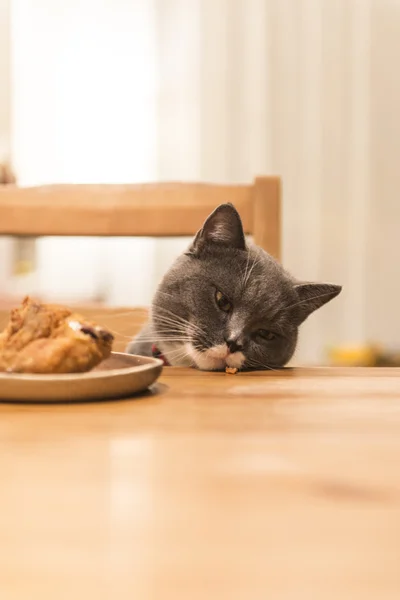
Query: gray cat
x=228, y=304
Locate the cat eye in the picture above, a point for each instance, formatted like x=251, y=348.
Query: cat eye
x=266, y=335
x=222, y=302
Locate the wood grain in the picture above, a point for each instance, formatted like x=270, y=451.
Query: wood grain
x=264, y=485
x=174, y=209
x=163, y=209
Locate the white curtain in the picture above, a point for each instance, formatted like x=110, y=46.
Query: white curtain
x=222, y=90
x=5, y=247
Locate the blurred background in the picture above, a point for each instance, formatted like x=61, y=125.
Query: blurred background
x=111, y=91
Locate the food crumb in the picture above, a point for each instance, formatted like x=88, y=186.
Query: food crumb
x=231, y=370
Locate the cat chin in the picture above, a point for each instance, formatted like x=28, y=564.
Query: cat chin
x=215, y=358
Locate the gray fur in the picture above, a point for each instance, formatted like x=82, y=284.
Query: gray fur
x=186, y=324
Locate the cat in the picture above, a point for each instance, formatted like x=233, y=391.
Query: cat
x=225, y=303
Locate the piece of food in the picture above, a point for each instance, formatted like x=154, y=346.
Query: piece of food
x=231, y=370
x=45, y=338
x=369, y=355
x=354, y=356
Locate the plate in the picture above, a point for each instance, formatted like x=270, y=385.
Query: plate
x=118, y=376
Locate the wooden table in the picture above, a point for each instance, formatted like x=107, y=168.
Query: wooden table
x=249, y=487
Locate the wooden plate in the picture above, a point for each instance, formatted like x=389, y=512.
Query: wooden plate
x=118, y=376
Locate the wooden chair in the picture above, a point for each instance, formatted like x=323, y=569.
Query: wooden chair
x=156, y=210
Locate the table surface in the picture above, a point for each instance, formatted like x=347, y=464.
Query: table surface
x=281, y=485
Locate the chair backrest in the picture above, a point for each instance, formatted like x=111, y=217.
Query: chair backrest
x=164, y=209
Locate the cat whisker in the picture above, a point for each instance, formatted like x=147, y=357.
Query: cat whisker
x=157, y=339
x=179, y=354
x=171, y=329
x=120, y=335
x=161, y=321
x=178, y=321
x=187, y=336
x=169, y=333
x=182, y=320
x=181, y=335
x=167, y=319
x=126, y=313
x=256, y=364
x=187, y=332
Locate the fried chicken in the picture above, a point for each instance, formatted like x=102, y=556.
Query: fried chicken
x=45, y=338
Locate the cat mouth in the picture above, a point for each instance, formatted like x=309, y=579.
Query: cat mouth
x=216, y=358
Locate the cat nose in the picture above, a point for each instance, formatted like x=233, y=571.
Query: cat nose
x=233, y=345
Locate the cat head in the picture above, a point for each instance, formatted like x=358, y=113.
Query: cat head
x=224, y=303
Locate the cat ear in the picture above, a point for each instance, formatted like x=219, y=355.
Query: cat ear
x=222, y=227
x=312, y=296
